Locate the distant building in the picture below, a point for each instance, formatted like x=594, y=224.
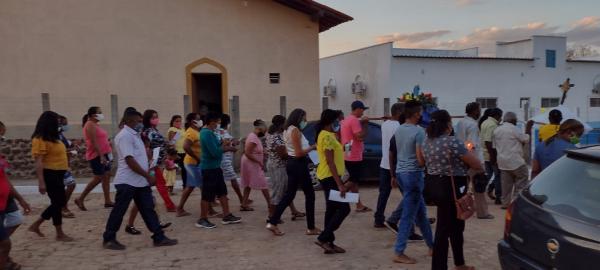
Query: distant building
x=253, y=58
x=523, y=77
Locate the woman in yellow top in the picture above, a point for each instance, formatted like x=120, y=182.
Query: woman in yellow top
x=191, y=162
x=176, y=137
x=329, y=172
x=51, y=163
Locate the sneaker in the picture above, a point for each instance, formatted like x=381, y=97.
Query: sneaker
x=415, y=237
x=204, y=223
x=393, y=227
x=113, y=245
x=132, y=230
x=165, y=242
x=231, y=219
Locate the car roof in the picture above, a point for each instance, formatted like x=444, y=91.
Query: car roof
x=591, y=152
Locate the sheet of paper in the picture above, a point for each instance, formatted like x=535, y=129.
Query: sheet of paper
x=155, y=154
x=334, y=195
x=176, y=137
x=314, y=157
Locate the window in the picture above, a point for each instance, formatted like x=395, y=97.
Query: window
x=274, y=78
x=487, y=102
x=550, y=102
x=570, y=187
x=550, y=58
x=594, y=102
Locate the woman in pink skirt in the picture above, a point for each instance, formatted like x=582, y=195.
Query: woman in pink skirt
x=252, y=173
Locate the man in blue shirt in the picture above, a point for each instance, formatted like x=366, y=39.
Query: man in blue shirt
x=409, y=175
x=213, y=185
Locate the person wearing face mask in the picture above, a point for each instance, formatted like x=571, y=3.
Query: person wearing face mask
x=156, y=140
x=448, y=163
x=175, y=135
x=227, y=164
x=329, y=172
x=554, y=147
x=509, y=141
x=213, y=186
x=253, y=167
x=69, y=180
x=298, y=173
x=99, y=154
x=191, y=162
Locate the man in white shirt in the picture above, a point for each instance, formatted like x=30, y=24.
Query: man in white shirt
x=508, y=141
x=467, y=131
x=133, y=182
x=388, y=128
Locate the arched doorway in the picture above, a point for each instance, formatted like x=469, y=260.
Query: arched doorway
x=207, y=86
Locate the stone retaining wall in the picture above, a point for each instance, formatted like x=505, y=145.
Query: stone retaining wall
x=18, y=153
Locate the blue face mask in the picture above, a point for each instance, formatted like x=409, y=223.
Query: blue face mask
x=302, y=124
x=65, y=128
x=336, y=126
x=138, y=127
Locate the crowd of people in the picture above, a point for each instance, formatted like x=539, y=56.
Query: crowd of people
x=433, y=165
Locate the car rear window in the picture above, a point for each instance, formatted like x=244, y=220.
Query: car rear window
x=570, y=187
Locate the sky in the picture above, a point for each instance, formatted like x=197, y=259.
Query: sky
x=459, y=24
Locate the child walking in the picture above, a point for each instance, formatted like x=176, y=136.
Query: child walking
x=170, y=172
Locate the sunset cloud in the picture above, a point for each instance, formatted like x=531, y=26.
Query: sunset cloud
x=584, y=31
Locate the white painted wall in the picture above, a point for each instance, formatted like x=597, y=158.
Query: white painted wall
x=373, y=64
x=517, y=49
x=458, y=81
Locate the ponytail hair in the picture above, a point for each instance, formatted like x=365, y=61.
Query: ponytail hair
x=91, y=111
x=438, y=125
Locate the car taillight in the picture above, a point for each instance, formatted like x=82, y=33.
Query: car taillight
x=507, y=221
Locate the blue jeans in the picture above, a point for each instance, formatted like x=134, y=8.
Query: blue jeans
x=496, y=185
x=142, y=196
x=385, y=188
x=413, y=209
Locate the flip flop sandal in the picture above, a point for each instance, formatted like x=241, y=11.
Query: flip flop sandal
x=313, y=232
x=246, y=209
x=364, y=209
x=183, y=214
x=274, y=230
x=109, y=205
x=68, y=214
x=80, y=204
x=298, y=215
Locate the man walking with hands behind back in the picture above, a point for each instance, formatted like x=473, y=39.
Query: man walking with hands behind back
x=133, y=182
x=353, y=131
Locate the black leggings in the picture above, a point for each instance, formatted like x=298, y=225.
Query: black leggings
x=56, y=192
x=298, y=175
x=448, y=226
x=335, y=212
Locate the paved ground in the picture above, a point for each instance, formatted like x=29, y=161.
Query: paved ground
x=243, y=246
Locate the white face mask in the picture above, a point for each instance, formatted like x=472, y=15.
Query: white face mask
x=198, y=123
x=99, y=116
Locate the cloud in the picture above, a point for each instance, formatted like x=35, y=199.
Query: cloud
x=411, y=38
x=584, y=31
x=464, y=3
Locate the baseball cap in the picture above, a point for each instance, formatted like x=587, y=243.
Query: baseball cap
x=357, y=104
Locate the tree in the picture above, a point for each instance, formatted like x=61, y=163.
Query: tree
x=581, y=50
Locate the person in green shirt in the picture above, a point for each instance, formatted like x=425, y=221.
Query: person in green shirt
x=213, y=185
x=329, y=171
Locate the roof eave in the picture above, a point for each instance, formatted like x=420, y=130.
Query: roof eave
x=327, y=17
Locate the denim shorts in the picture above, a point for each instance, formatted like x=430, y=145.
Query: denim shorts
x=194, y=175
x=13, y=218
x=69, y=179
x=98, y=168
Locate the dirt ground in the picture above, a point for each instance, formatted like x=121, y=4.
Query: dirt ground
x=242, y=246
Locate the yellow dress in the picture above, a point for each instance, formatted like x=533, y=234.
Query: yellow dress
x=170, y=173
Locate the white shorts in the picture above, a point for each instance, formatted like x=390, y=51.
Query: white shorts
x=13, y=218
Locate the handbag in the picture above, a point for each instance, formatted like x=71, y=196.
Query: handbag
x=465, y=206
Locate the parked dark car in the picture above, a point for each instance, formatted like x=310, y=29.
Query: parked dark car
x=555, y=221
x=371, y=155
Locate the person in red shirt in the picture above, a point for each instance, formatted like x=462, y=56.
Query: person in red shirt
x=353, y=132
